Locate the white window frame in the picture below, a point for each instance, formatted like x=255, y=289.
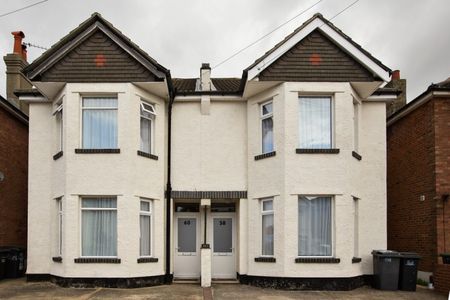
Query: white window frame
x=97, y=208
x=332, y=118
x=59, y=207
x=150, y=214
x=356, y=226
x=82, y=108
x=332, y=199
x=356, y=124
x=265, y=213
x=262, y=117
x=152, y=111
x=58, y=113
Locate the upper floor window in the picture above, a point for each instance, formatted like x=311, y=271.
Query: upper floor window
x=59, y=123
x=267, y=126
x=99, y=123
x=314, y=226
x=355, y=125
x=315, y=123
x=147, y=127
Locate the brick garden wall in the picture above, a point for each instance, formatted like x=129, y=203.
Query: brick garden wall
x=13, y=189
x=410, y=174
x=442, y=278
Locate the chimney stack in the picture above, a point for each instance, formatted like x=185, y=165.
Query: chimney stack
x=15, y=79
x=205, y=77
x=400, y=84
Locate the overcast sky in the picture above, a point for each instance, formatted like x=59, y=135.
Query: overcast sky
x=411, y=36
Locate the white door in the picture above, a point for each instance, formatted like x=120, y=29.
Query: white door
x=223, y=231
x=187, y=249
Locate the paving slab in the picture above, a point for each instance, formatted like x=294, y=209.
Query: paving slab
x=238, y=291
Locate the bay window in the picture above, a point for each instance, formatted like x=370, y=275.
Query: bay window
x=99, y=226
x=267, y=126
x=59, y=226
x=267, y=222
x=59, y=123
x=315, y=226
x=315, y=123
x=99, y=123
x=145, y=225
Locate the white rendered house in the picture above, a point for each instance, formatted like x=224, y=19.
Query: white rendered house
x=276, y=179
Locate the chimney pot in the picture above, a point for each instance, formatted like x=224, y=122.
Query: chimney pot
x=24, y=52
x=395, y=75
x=18, y=36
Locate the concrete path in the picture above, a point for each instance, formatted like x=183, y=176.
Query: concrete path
x=20, y=289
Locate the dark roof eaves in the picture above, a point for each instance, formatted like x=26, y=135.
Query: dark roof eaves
x=13, y=110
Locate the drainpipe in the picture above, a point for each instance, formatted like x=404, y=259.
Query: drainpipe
x=168, y=276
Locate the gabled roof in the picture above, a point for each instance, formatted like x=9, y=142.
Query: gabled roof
x=318, y=22
x=81, y=33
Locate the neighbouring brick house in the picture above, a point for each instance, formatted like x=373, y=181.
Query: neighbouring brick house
x=418, y=181
x=14, y=171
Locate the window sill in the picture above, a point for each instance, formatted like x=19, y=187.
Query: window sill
x=356, y=260
x=317, y=260
x=265, y=155
x=57, y=259
x=316, y=151
x=148, y=155
x=95, y=151
x=58, y=155
x=356, y=155
x=141, y=260
x=265, y=259
x=97, y=260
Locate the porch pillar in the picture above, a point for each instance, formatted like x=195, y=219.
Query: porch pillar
x=205, y=251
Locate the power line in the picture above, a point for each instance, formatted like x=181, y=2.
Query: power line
x=265, y=35
x=23, y=8
x=340, y=12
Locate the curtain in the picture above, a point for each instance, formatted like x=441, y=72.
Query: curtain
x=99, y=123
x=314, y=226
x=145, y=224
x=99, y=227
x=267, y=135
x=267, y=234
x=315, y=122
x=146, y=132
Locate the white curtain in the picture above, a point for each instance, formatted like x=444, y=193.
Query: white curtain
x=146, y=135
x=267, y=135
x=145, y=224
x=99, y=123
x=267, y=234
x=99, y=227
x=314, y=226
x=315, y=122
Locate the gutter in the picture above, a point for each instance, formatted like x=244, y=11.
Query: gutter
x=168, y=278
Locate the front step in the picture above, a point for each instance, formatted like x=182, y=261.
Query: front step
x=186, y=280
x=224, y=281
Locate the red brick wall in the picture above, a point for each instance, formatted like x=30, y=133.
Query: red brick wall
x=13, y=189
x=442, y=152
x=442, y=278
x=410, y=174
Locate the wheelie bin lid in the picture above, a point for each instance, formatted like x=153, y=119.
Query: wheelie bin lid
x=410, y=255
x=385, y=253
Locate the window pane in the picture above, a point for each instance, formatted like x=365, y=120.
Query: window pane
x=314, y=226
x=99, y=233
x=315, y=123
x=267, y=234
x=187, y=235
x=267, y=135
x=99, y=128
x=100, y=102
x=223, y=236
x=268, y=205
x=145, y=241
x=267, y=108
x=145, y=206
x=99, y=203
x=187, y=207
x=146, y=132
x=223, y=207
